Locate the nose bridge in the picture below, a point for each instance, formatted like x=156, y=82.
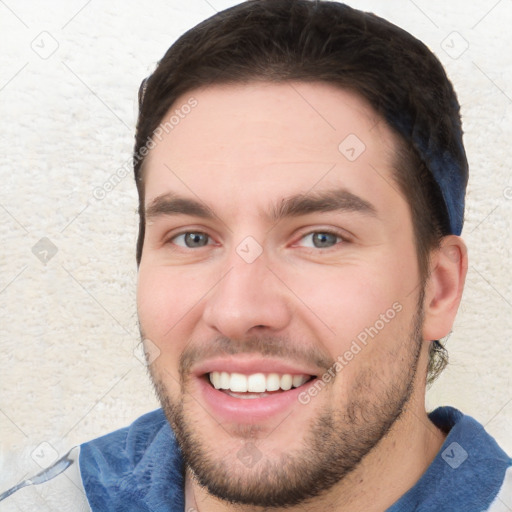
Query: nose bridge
x=248, y=295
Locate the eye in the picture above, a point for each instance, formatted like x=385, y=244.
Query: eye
x=191, y=239
x=320, y=240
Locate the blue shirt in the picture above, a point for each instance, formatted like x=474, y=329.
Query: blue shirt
x=140, y=469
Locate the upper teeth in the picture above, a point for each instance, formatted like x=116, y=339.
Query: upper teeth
x=256, y=382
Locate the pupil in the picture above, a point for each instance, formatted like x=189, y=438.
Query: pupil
x=195, y=239
x=324, y=239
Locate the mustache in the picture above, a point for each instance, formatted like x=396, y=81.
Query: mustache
x=266, y=346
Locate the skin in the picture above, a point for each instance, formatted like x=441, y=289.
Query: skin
x=240, y=152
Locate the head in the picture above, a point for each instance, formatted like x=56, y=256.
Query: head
x=301, y=180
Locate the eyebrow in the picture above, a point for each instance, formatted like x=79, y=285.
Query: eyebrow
x=172, y=204
x=320, y=202
x=293, y=206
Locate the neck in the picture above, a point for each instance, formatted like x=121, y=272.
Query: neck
x=394, y=465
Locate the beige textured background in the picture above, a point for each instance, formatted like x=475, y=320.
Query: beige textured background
x=69, y=75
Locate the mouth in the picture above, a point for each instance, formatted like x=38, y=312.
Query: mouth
x=250, y=389
x=255, y=385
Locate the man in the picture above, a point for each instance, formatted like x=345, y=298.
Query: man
x=301, y=178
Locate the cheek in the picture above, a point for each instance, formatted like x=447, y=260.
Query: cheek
x=166, y=296
x=356, y=300
x=168, y=306
x=155, y=302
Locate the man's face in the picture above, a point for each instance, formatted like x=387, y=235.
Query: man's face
x=278, y=252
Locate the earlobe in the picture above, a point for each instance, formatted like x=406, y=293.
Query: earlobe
x=444, y=287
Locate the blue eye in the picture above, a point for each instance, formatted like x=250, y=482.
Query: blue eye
x=320, y=240
x=192, y=239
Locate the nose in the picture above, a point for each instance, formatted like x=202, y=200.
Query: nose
x=249, y=299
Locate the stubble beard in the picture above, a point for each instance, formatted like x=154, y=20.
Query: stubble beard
x=332, y=448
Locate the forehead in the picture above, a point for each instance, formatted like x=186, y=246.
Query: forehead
x=261, y=139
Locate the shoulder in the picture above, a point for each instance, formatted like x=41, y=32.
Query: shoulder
x=471, y=473
x=131, y=441
x=138, y=465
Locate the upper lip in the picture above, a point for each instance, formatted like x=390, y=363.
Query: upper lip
x=249, y=365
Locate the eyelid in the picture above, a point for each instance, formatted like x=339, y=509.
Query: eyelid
x=170, y=236
x=301, y=243
x=172, y=239
x=342, y=234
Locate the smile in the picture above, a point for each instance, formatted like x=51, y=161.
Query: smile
x=247, y=389
x=256, y=382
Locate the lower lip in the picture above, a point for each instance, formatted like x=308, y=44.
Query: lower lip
x=248, y=410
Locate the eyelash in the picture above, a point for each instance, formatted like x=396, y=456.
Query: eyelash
x=341, y=239
x=183, y=233
x=337, y=234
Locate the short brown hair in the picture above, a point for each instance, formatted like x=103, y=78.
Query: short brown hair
x=311, y=41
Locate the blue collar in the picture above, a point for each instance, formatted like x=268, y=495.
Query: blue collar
x=466, y=474
x=140, y=468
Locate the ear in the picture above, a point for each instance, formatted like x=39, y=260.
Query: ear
x=443, y=291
